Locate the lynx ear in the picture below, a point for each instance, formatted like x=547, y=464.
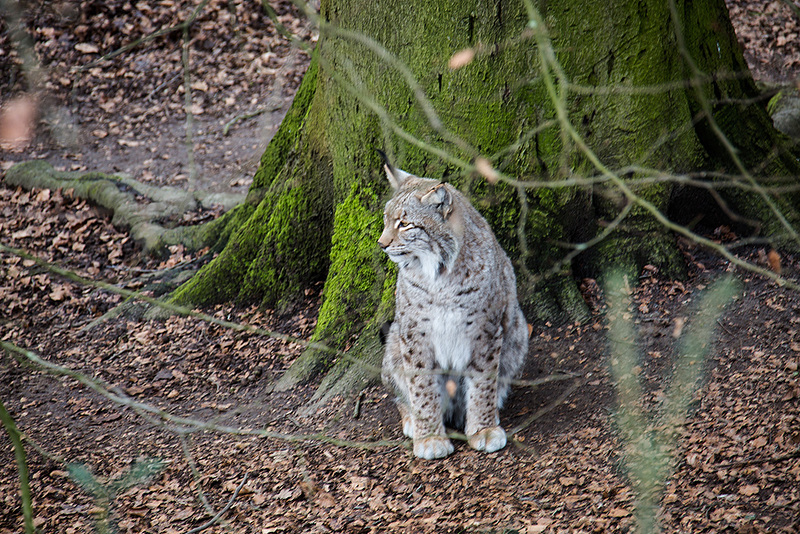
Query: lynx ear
x=397, y=177
x=440, y=198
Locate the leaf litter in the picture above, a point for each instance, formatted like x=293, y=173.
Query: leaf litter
x=737, y=465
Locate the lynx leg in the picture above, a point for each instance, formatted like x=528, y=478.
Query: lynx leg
x=482, y=427
x=430, y=440
x=405, y=419
x=395, y=376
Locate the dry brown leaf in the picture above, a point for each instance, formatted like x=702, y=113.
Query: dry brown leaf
x=749, y=489
x=87, y=48
x=287, y=494
x=325, y=499
x=58, y=292
x=183, y=514
x=774, y=259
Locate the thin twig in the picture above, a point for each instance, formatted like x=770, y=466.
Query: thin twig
x=187, y=105
x=547, y=57
x=357, y=408
x=187, y=453
x=31, y=68
x=546, y=409
x=147, y=38
x=768, y=460
x=216, y=518
x=697, y=85
x=180, y=424
x=173, y=308
x=22, y=468
x=245, y=116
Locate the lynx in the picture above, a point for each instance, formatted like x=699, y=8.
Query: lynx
x=459, y=335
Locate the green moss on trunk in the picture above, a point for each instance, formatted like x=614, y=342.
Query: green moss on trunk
x=283, y=242
x=355, y=286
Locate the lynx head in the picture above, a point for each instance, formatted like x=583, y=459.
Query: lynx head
x=422, y=228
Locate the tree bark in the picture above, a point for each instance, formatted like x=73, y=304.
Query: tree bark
x=646, y=87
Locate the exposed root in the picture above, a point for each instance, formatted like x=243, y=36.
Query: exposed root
x=134, y=205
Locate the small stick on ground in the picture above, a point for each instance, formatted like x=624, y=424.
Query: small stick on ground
x=768, y=460
x=214, y=519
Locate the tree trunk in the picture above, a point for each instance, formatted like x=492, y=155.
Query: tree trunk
x=316, y=202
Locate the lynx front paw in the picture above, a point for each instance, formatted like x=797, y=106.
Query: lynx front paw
x=488, y=440
x=432, y=447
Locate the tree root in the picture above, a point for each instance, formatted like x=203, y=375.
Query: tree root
x=142, y=209
x=122, y=196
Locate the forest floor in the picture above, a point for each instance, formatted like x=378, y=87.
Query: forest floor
x=344, y=467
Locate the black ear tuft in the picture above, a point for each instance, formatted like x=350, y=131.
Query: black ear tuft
x=397, y=177
x=383, y=156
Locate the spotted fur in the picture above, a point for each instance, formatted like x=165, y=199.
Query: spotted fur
x=459, y=335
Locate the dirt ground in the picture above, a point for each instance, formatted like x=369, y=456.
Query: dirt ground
x=345, y=467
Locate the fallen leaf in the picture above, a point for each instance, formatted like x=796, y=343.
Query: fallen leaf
x=748, y=490
x=58, y=293
x=619, y=512
x=774, y=260
x=325, y=499
x=186, y=513
x=87, y=48
x=287, y=494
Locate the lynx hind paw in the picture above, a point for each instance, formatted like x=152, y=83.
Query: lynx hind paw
x=432, y=447
x=408, y=427
x=488, y=440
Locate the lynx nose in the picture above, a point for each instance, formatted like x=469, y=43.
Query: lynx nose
x=384, y=240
